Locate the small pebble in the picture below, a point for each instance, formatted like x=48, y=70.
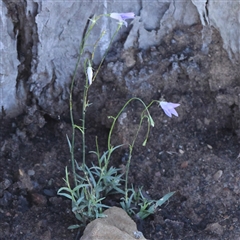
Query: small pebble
x=5, y=184
x=209, y=146
x=56, y=201
x=181, y=151
x=39, y=199
x=235, y=220
x=49, y=192
x=31, y=172
x=215, y=228
x=184, y=164
x=218, y=175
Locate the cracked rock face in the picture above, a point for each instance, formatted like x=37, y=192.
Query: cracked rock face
x=9, y=63
x=41, y=39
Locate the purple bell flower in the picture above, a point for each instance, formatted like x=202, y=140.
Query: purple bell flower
x=121, y=17
x=169, y=108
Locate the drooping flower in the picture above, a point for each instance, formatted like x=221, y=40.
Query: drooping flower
x=169, y=108
x=121, y=17
x=89, y=74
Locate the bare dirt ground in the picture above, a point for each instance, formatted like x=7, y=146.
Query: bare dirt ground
x=196, y=154
x=203, y=169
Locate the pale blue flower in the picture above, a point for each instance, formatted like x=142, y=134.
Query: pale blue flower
x=169, y=108
x=121, y=17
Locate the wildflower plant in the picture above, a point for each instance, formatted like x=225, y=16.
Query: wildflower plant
x=88, y=186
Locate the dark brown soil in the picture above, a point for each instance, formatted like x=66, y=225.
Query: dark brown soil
x=202, y=168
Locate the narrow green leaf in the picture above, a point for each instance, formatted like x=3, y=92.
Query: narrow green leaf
x=79, y=128
x=73, y=227
x=79, y=187
x=161, y=201
x=69, y=143
x=79, y=200
x=65, y=195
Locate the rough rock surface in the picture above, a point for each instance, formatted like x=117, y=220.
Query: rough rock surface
x=40, y=41
x=227, y=22
x=116, y=226
x=8, y=63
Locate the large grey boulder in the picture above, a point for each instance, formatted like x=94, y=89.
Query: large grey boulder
x=40, y=41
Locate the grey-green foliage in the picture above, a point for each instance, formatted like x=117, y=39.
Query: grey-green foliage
x=93, y=185
x=141, y=207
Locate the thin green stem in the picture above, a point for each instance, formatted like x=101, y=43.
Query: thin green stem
x=131, y=146
x=120, y=112
x=83, y=123
x=85, y=94
x=105, y=54
x=81, y=49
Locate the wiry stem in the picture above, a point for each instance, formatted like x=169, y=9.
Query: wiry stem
x=81, y=49
x=85, y=94
x=131, y=146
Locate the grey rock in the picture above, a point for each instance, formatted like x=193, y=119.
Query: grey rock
x=40, y=42
x=116, y=226
x=8, y=64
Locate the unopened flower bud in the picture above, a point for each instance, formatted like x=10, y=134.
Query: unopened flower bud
x=89, y=74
